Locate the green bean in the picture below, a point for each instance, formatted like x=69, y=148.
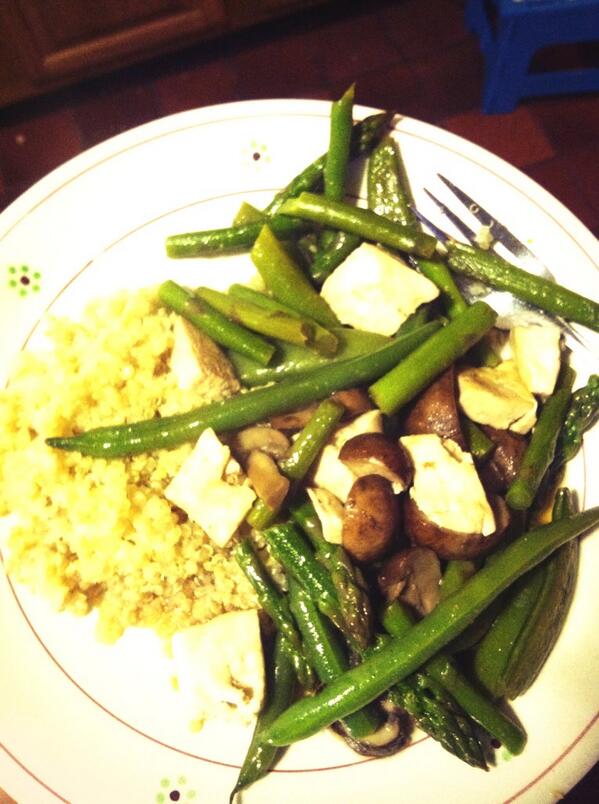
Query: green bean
x=491, y=655
x=398, y=622
x=354, y=603
x=582, y=413
x=292, y=551
x=276, y=606
x=291, y=361
x=260, y=756
x=261, y=515
x=302, y=454
x=243, y=409
x=540, y=451
x=440, y=275
x=327, y=259
x=365, y=135
x=337, y=158
x=479, y=444
x=363, y=222
x=220, y=329
x=388, y=189
x=309, y=443
x=272, y=324
x=286, y=281
x=415, y=372
x=325, y=341
x=493, y=270
x=327, y=656
x=548, y=612
x=335, y=170
x=403, y=656
x=455, y=575
x=214, y=242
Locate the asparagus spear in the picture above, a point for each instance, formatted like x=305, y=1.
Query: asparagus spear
x=276, y=606
x=354, y=603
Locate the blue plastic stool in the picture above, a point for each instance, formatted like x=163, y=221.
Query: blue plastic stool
x=522, y=27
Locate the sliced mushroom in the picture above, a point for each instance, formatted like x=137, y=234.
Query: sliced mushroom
x=502, y=467
x=265, y=439
x=329, y=510
x=295, y=419
x=436, y=410
x=448, y=543
x=268, y=483
x=370, y=518
x=355, y=401
x=375, y=454
x=414, y=576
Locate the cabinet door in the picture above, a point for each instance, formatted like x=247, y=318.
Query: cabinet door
x=60, y=39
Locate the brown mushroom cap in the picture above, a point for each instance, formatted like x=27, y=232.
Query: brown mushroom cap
x=414, y=576
x=450, y=544
x=268, y=483
x=502, y=467
x=370, y=518
x=435, y=410
x=375, y=454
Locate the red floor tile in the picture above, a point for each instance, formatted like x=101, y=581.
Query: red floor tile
x=31, y=148
x=568, y=121
x=350, y=46
x=572, y=178
x=517, y=137
x=451, y=81
x=395, y=87
x=282, y=67
x=113, y=108
x=204, y=85
x=424, y=27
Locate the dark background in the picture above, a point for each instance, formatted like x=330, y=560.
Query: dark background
x=414, y=56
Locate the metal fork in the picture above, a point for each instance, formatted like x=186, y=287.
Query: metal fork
x=510, y=309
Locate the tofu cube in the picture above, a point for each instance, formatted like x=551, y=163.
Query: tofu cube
x=376, y=291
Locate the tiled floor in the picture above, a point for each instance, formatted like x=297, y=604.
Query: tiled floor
x=415, y=56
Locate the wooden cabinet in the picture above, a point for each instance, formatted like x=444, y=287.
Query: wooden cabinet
x=45, y=44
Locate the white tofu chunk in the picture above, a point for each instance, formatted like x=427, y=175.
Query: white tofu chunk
x=536, y=350
x=498, y=397
x=332, y=474
x=199, y=489
x=447, y=488
x=219, y=667
x=198, y=363
x=329, y=511
x=376, y=291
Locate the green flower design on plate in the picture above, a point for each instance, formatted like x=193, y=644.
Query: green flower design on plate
x=23, y=280
x=257, y=152
x=174, y=791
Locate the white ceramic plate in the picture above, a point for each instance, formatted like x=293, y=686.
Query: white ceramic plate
x=80, y=721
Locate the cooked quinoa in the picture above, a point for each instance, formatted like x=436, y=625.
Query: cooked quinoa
x=100, y=534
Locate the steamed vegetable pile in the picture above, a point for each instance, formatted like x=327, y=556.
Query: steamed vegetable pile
x=403, y=461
